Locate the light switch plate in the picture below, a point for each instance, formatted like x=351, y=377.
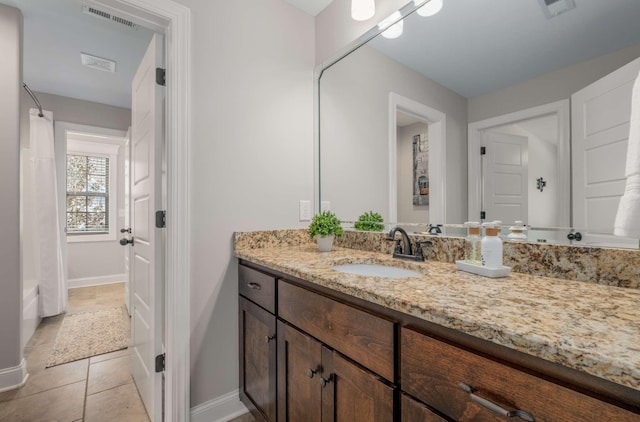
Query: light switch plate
x=305, y=210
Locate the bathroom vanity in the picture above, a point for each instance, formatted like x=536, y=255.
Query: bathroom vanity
x=317, y=344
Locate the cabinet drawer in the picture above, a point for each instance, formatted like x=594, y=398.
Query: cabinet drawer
x=433, y=371
x=257, y=287
x=363, y=337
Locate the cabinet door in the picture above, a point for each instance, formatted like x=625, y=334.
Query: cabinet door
x=414, y=411
x=257, y=360
x=299, y=366
x=351, y=393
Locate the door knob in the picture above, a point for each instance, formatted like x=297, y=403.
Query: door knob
x=124, y=241
x=127, y=230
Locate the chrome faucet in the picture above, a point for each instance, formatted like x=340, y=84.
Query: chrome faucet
x=405, y=251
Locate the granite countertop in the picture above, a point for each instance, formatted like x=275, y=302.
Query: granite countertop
x=584, y=326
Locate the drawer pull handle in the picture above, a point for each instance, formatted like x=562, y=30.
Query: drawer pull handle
x=254, y=286
x=269, y=338
x=311, y=372
x=494, y=407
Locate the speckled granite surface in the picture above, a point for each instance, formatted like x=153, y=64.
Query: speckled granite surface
x=589, y=327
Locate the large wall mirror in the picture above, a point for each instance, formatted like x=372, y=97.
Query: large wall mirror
x=477, y=108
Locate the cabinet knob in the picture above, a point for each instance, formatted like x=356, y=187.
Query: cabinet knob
x=269, y=338
x=311, y=372
x=324, y=381
x=494, y=407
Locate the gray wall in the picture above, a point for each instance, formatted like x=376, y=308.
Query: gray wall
x=85, y=259
x=251, y=158
x=354, y=125
x=10, y=277
x=550, y=87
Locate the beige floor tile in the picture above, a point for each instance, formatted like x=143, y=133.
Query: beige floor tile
x=54, y=377
x=122, y=404
x=243, y=418
x=46, y=333
x=59, y=404
x=108, y=374
x=112, y=355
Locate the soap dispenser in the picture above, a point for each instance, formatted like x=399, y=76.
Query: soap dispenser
x=518, y=232
x=472, y=244
x=492, y=246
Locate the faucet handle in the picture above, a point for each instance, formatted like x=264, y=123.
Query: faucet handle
x=419, y=252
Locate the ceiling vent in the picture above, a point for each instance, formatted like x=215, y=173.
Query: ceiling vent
x=89, y=10
x=552, y=8
x=99, y=63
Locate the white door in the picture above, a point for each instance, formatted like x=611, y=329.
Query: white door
x=127, y=218
x=504, y=177
x=145, y=266
x=600, y=116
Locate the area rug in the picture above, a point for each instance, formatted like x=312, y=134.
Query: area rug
x=87, y=334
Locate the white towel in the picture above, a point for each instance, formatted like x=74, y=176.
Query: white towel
x=628, y=216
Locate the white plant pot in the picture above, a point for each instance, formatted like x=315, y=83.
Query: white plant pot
x=325, y=243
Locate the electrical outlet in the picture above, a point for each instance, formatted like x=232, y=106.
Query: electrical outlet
x=325, y=206
x=305, y=210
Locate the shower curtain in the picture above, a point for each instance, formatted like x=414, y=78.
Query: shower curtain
x=50, y=274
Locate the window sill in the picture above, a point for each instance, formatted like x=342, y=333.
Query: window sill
x=81, y=238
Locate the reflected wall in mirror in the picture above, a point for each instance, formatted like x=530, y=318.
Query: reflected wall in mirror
x=473, y=62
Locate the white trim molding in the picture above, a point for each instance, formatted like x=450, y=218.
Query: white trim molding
x=74, y=283
x=220, y=409
x=12, y=378
x=559, y=108
x=437, y=124
x=174, y=20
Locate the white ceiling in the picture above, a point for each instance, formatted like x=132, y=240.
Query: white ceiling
x=57, y=31
x=474, y=47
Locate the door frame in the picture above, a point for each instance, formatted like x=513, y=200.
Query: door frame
x=437, y=124
x=559, y=108
x=174, y=21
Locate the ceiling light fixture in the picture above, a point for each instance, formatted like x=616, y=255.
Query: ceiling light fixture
x=362, y=10
x=392, y=30
x=429, y=9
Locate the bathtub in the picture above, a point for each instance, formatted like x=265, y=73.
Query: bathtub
x=30, y=318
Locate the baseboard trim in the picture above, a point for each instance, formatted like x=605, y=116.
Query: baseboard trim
x=95, y=281
x=220, y=409
x=12, y=378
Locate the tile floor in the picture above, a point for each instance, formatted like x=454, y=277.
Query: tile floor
x=96, y=389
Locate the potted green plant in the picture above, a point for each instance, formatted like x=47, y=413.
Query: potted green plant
x=324, y=227
x=369, y=221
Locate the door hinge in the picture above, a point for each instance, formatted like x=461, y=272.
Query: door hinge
x=160, y=76
x=161, y=219
x=483, y=150
x=483, y=215
x=160, y=363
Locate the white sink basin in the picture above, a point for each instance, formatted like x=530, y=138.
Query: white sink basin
x=373, y=270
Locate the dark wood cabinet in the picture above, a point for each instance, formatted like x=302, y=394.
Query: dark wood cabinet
x=299, y=374
x=257, y=347
x=317, y=384
x=468, y=387
x=310, y=354
x=351, y=393
x=414, y=411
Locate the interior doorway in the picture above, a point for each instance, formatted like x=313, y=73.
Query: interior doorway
x=519, y=167
x=173, y=19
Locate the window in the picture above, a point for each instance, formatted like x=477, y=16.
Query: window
x=91, y=188
x=87, y=194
